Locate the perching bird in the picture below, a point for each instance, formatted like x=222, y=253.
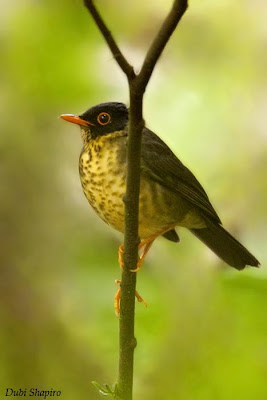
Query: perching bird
x=170, y=195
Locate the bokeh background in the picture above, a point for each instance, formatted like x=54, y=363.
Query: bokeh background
x=204, y=334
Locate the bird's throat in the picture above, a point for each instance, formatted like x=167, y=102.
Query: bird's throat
x=86, y=137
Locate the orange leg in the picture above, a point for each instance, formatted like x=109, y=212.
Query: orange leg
x=120, y=256
x=146, y=244
x=117, y=298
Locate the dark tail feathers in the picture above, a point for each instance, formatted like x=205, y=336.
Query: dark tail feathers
x=225, y=246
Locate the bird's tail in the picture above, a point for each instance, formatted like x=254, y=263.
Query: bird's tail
x=225, y=246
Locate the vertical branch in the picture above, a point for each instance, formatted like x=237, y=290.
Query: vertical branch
x=128, y=282
x=137, y=86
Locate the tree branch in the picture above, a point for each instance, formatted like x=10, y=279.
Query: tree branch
x=137, y=86
x=167, y=28
x=119, y=57
x=131, y=240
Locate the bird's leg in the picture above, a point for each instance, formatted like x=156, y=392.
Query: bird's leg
x=120, y=256
x=117, y=298
x=146, y=244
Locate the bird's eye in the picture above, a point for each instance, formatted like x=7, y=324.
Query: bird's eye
x=103, y=118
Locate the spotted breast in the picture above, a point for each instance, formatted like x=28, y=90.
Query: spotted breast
x=103, y=176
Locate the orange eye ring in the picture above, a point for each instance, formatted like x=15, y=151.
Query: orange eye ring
x=103, y=118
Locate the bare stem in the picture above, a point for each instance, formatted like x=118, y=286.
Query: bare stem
x=137, y=86
x=167, y=28
x=131, y=240
x=119, y=57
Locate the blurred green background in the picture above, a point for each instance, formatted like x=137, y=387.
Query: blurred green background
x=204, y=334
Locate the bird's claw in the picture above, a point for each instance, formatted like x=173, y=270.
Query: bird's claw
x=117, y=298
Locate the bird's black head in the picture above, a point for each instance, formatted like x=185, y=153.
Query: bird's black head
x=101, y=119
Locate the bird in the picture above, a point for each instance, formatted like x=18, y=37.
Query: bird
x=170, y=195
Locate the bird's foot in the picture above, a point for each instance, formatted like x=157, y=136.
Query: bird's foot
x=146, y=244
x=117, y=298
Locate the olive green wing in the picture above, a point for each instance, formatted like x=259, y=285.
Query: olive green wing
x=160, y=164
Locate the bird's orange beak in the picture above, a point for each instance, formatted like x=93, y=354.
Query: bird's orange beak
x=75, y=119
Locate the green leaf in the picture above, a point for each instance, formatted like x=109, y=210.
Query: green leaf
x=106, y=390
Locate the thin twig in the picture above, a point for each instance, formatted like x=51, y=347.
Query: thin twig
x=167, y=28
x=137, y=86
x=119, y=57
